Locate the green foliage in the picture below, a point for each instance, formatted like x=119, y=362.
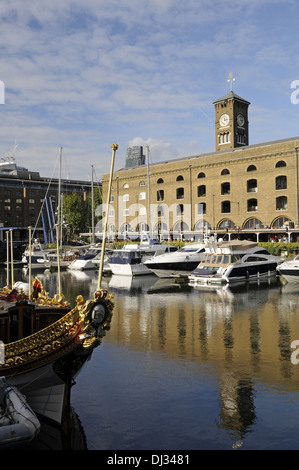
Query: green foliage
x=74, y=212
x=279, y=247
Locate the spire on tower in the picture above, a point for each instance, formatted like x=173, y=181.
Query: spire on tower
x=231, y=80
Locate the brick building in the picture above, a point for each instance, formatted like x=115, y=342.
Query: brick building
x=249, y=191
x=27, y=199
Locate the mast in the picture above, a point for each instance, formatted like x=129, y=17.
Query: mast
x=59, y=201
x=7, y=258
x=149, y=193
x=30, y=284
x=114, y=148
x=11, y=255
x=58, y=261
x=92, y=207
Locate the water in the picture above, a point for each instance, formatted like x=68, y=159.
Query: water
x=184, y=368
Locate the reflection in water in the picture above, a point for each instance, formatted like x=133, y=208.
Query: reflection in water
x=190, y=368
x=69, y=436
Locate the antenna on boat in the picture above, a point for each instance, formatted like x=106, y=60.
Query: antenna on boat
x=114, y=148
x=7, y=258
x=29, y=262
x=11, y=255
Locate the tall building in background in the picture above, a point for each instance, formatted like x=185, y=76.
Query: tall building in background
x=134, y=157
x=28, y=199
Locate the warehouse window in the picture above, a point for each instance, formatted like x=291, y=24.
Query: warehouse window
x=180, y=193
x=281, y=182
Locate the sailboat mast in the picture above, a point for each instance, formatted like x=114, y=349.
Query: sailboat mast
x=104, y=230
x=149, y=193
x=59, y=199
x=92, y=208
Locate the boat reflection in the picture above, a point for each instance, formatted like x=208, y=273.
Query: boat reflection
x=241, y=334
x=69, y=436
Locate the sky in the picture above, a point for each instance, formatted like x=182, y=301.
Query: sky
x=83, y=75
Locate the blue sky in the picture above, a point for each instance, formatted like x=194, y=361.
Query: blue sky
x=83, y=75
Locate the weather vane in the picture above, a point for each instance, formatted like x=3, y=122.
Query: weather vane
x=231, y=80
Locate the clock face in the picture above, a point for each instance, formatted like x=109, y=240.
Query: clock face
x=240, y=120
x=224, y=120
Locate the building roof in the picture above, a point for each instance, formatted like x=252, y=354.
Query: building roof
x=231, y=95
x=219, y=152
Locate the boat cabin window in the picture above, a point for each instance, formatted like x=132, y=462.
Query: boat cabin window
x=216, y=260
x=253, y=259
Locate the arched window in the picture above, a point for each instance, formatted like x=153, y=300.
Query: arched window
x=253, y=223
x=180, y=226
x=201, y=225
x=201, y=175
x=126, y=228
x=142, y=183
x=225, y=172
x=180, y=178
x=126, y=185
x=280, y=222
x=160, y=227
x=142, y=227
x=160, y=180
x=251, y=168
x=280, y=164
x=226, y=224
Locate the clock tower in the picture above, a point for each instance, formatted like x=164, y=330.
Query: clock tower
x=231, y=125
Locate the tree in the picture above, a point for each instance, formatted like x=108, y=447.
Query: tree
x=74, y=211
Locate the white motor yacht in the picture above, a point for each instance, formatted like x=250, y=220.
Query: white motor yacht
x=289, y=270
x=234, y=261
x=179, y=263
x=130, y=260
x=85, y=261
x=38, y=255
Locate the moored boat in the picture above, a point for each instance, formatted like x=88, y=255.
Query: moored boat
x=47, y=342
x=18, y=423
x=234, y=261
x=52, y=262
x=178, y=263
x=44, y=342
x=85, y=261
x=38, y=255
x=289, y=270
x=130, y=260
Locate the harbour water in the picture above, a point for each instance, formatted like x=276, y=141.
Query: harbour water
x=188, y=369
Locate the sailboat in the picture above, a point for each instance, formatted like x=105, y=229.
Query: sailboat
x=45, y=342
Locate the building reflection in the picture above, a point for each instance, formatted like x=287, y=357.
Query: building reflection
x=242, y=333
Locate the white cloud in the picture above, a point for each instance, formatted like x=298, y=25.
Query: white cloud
x=84, y=75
